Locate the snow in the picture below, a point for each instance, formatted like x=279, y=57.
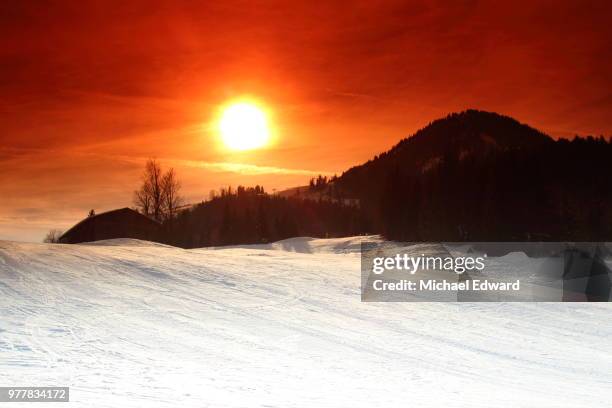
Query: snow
x=128, y=323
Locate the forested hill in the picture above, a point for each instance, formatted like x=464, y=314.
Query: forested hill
x=248, y=215
x=482, y=176
x=465, y=134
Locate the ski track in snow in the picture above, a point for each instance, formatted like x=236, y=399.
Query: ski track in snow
x=127, y=323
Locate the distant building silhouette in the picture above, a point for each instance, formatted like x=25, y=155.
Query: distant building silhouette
x=121, y=223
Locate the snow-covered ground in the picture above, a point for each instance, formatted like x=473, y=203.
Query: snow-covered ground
x=128, y=323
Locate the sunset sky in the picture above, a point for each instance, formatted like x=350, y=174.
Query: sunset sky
x=90, y=90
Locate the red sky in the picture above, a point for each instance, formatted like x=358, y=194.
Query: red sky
x=89, y=90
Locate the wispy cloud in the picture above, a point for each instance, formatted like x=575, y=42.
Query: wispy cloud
x=224, y=167
x=246, y=169
x=213, y=166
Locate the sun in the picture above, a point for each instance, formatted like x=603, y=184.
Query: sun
x=244, y=126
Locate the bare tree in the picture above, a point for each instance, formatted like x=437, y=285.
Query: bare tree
x=53, y=236
x=158, y=196
x=142, y=199
x=148, y=197
x=171, y=200
x=153, y=177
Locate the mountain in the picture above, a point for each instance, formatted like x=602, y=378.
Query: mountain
x=479, y=175
x=463, y=135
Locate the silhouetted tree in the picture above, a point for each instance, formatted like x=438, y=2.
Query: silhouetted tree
x=53, y=236
x=158, y=196
x=171, y=200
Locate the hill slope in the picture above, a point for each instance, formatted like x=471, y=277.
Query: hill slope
x=131, y=324
x=482, y=176
x=467, y=133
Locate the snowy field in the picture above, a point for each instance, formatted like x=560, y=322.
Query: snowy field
x=127, y=323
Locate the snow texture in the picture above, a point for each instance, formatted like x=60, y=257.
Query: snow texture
x=127, y=323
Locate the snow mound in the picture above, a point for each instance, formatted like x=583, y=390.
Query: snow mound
x=308, y=245
x=125, y=242
x=133, y=324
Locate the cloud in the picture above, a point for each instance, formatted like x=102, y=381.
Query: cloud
x=245, y=169
x=221, y=167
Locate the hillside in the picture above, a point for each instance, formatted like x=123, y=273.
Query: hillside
x=465, y=134
x=482, y=176
x=249, y=216
x=129, y=323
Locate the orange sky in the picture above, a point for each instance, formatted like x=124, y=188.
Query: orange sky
x=87, y=93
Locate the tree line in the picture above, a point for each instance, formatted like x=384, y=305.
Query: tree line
x=557, y=191
x=248, y=215
x=241, y=215
x=560, y=191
